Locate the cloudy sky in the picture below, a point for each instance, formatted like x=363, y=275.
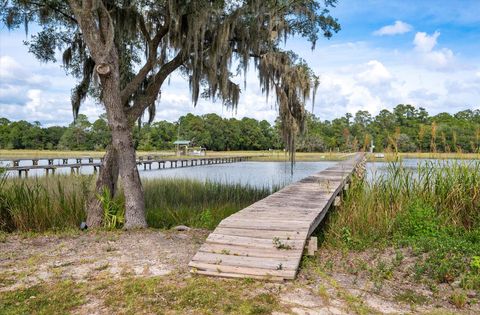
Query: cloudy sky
x=425, y=53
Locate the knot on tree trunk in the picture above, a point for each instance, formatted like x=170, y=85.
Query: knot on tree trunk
x=102, y=69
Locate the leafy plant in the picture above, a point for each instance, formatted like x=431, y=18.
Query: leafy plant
x=420, y=220
x=206, y=219
x=475, y=263
x=113, y=211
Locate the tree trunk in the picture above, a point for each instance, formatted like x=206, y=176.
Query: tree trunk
x=107, y=179
x=98, y=31
x=122, y=142
x=132, y=186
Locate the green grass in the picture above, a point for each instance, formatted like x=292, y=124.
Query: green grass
x=58, y=202
x=434, y=210
x=59, y=298
x=158, y=295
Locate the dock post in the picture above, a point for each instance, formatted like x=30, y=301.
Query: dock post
x=312, y=246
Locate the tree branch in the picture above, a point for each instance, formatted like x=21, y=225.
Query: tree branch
x=135, y=83
x=57, y=10
x=153, y=88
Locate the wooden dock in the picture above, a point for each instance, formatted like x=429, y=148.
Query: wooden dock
x=266, y=240
x=143, y=162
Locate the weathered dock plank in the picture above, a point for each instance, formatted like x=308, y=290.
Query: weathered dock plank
x=266, y=240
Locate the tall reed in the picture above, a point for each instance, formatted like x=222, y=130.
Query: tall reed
x=58, y=202
x=372, y=207
x=194, y=203
x=43, y=203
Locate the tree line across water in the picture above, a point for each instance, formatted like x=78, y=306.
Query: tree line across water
x=405, y=128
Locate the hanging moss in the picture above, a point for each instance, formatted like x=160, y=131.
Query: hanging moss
x=209, y=36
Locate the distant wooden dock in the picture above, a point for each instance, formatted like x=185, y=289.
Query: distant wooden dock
x=144, y=161
x=267, y=239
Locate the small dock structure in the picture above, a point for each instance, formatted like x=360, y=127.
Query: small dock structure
x=49, y=165
x=267, y=239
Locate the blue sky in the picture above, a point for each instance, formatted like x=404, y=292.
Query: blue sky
x=423, y=52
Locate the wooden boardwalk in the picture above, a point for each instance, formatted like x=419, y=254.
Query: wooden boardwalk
x=141, y=161
x=266, y=240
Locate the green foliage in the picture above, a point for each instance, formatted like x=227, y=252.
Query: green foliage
x=419, y=220
x=433, y=211
x=403, y=130
x=475, y=263
x=206, y=219
x=113, y=211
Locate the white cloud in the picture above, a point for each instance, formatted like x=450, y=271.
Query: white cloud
x=374, y=73
x=354, y=76
x=397, y=28
x=437, y=59
x=424, y=42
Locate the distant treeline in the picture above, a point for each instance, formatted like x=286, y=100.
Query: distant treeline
x=406, y=129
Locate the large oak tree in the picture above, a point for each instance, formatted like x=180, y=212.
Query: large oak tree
x=122, y=51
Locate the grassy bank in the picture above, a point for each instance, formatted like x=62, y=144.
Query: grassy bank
x=434, y=211
x=392, y=156
x=56, y=203
x=265, y=155
x=276, y=155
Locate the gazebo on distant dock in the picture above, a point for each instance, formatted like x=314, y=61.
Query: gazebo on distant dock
x=181, y=146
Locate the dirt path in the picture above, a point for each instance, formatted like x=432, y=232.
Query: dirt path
x=342, y=288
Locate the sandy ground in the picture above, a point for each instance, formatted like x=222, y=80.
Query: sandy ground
x=344, y=288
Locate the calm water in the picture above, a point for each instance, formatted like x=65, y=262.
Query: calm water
x=259, y=174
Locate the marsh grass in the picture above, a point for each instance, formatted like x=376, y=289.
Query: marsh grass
x=58, y=202
x=171, y=202
x=44, y=203
x=434, y=210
